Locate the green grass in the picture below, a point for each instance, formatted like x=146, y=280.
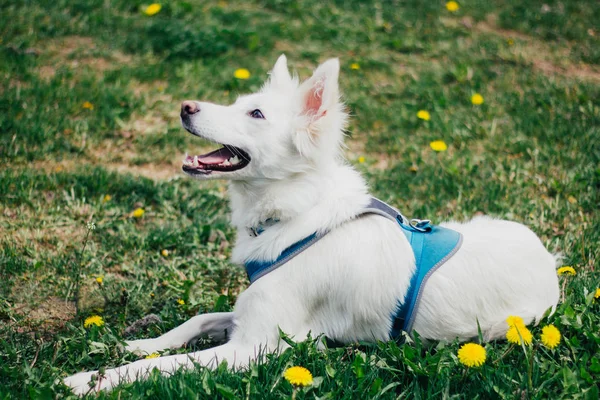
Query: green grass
x=530, y=153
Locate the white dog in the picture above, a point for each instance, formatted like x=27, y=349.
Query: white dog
x=282, y=154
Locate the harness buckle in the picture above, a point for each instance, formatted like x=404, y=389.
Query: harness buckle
x=421, y=225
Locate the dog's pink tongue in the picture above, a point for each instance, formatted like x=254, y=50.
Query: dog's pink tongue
x=215, y=157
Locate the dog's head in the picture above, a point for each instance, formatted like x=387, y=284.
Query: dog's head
x=284, y=129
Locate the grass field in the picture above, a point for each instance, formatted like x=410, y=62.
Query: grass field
x=89, y=132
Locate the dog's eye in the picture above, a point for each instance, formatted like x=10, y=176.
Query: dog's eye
x=256, y=114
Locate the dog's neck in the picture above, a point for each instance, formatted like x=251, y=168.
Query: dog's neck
x=314, y=201
x=335, y=188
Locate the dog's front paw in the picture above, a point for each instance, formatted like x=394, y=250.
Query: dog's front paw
x=83, y=382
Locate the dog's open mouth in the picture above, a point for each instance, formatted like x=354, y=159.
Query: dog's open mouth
x=225, y=159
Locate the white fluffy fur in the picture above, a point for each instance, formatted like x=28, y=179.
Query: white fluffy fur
x=348, y=284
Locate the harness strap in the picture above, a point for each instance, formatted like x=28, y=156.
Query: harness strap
x=377, y=206
x=257, y=269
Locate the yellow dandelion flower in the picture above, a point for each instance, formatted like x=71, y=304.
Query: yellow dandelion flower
x=355, y=66
x=477, y=99
x=438, y=145
x=152, y=9
x=87, y=105
x=519, y=334
x=471, y=355
x=241, y=73
x=361, y=159
x=550, y=336
x=138, y=213
x=566, y=270
x=597, y=294
x=298, y=376
x=153, y=355
x=165, y=253
x=572, y=199
x=510, y=42
x=58, y=168
x=106, y=198
x=514, y=320
x=100, y=279
x=93, y=320
x=452, y=6
x=152, y=294
x=424, y=115
x=180, y=302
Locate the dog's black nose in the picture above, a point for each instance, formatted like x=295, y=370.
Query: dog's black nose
x=189, y=107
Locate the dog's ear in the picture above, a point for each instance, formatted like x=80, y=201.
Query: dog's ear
x=320, y=106
x=280, y=75
x=320, y=92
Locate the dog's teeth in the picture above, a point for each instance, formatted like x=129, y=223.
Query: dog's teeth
x=234, y=160
x=195, y=163
x=226, y=163
x=187, y=161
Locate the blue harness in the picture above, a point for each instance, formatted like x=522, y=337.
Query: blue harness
x=432, y=246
